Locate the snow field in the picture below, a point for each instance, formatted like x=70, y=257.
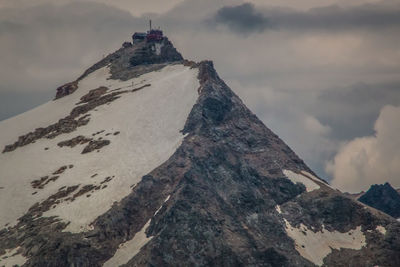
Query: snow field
x=149, y=122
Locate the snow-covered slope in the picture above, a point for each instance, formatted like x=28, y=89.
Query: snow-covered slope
x=149, y=122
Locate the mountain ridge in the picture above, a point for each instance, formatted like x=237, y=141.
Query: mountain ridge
x=229, y=192
x=383, y=197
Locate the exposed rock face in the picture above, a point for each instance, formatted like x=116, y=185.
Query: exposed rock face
x=225, y=182
x=94, y=94
x=79, y=140
x=95, y=145
x=155, y=53
x=127, y=44
x=222, y=199
x=65, y=125
x=66, y=89
x=132, y=60
x=124, y=63
x=384, y=198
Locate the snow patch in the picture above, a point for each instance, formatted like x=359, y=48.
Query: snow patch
x=129, y=249
x=278, y=209
x=381, y=229
x=161, y=205
x=300, y=178
x=315, y=246
x=149, y=121
x=12, y=258
x=158, y=47
x=309, y=175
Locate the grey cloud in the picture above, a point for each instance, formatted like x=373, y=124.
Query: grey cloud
x=352, y=110
x=59, y=36
x=247, y=18
x=135, y=7
x=44, y=46
x=242, y=18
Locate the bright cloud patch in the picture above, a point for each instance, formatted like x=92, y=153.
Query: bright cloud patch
x=370, y=160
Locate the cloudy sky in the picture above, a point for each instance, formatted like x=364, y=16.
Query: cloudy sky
x=323, y=74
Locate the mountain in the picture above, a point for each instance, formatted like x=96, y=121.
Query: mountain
x=384, y=198
x=151, y=160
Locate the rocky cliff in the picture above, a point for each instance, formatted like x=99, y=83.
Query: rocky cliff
x=384, y=198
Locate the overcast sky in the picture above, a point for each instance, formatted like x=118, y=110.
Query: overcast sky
x=322, y=74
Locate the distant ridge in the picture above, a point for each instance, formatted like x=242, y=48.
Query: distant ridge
x=383, y=197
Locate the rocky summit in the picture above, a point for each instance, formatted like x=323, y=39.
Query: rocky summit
x=148, y=159
x=383, y=197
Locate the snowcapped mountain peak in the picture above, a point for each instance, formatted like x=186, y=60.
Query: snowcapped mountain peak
x=148, y=159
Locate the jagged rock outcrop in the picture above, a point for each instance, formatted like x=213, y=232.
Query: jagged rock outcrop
x=95, y=145
x=155, y=53
x=132, y=61
x=66, y=89
x=384, y=198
